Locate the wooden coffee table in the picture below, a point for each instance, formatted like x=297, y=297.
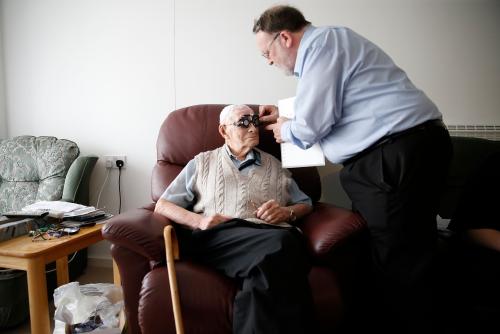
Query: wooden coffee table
x=22, y=253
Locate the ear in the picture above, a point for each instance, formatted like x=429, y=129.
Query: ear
x=287, y=37
x=222, y=131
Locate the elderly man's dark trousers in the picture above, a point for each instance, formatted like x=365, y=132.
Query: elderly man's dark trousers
x=271, y=266
x=396, y=188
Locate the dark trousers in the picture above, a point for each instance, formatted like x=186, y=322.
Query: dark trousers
x=396, y=188
x=271, y=266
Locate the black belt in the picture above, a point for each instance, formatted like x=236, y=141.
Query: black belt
x=390, y=138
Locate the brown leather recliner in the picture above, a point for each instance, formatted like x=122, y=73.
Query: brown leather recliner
x=334, y=236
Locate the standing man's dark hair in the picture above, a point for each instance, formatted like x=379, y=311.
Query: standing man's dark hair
x=366, y=114
x=280, y=18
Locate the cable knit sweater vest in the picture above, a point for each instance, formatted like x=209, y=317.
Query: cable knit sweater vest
x=221, y=188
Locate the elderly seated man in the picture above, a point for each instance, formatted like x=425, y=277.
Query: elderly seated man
x=244, y=205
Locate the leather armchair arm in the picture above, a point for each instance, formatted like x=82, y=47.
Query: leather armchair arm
x=329, y=227
x=139, y=230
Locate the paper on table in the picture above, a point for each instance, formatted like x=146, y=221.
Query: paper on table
x=68, y=208
x=293, y=156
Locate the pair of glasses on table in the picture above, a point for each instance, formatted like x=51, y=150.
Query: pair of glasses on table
x=52, y=232
x=246, y=120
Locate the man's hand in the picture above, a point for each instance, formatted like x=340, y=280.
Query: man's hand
x=268, y=113
x=271, y=212
x=207, y=222
x=276, y=128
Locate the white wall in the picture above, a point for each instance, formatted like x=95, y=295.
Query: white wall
x=3, y=119
x=100, y=72
x=96, y=72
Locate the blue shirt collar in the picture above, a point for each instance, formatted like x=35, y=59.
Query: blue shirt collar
x=304, y=44
x=253, y=154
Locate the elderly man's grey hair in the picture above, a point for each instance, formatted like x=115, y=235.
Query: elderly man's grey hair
x=230, y=109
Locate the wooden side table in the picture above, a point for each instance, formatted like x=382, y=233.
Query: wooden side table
x=24, y=254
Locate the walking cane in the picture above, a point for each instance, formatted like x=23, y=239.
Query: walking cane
x=172, y=252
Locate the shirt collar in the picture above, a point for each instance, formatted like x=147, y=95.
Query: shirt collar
x=253, y=154
x=304, y=44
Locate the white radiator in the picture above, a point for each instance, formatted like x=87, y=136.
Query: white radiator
x=491, y=132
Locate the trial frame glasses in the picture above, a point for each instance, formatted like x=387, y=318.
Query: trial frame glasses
x=246, y=120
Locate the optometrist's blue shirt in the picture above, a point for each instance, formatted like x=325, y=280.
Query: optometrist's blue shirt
x=350, y=94
x=181, y=190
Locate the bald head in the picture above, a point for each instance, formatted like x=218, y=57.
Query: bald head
x=231, y=109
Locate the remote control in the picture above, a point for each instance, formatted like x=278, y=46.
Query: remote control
x=77, y=224
x=25, y=214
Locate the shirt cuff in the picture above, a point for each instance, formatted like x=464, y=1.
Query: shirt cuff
x=286, y=133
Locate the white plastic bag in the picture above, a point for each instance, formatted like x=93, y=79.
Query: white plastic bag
x=83, y=304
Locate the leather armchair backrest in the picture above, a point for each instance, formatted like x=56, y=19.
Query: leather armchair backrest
x=189, y=131
x=468, y=154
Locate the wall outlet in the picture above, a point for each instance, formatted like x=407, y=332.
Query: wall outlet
x=110, y=160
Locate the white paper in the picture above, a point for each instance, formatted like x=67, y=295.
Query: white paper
x=293, y=156
x=67, y=208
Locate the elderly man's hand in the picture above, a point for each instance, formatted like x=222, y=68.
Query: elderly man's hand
x=276, y=128
x=271, y=212
x=207, y=222
x=268, y=113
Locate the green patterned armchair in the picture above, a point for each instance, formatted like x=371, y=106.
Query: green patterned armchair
x=42, y=168
x=38, y=169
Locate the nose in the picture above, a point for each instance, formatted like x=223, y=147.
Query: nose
x=271, y=63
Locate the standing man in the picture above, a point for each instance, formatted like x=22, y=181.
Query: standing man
x=367, y=115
